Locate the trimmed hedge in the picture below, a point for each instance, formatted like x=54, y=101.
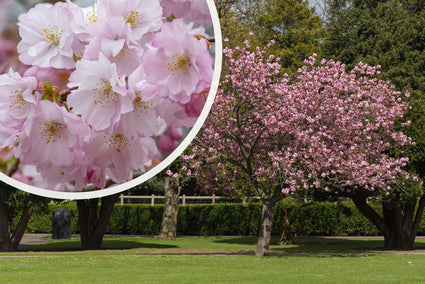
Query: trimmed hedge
x=306, y=219
x=329, y=219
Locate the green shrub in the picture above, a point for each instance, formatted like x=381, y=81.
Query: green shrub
x=306, y=219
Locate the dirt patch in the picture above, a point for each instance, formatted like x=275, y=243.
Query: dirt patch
x=35, y=239
x=197, y=252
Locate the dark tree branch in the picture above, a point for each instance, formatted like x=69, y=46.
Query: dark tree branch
x=368, y=211
x=20, y=228
x=64, y=94
x=418, y=217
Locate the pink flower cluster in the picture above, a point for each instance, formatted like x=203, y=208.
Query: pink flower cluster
x=338, y=126
x=105, y=84
x=322, y=127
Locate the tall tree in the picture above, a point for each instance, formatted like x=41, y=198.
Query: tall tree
x=233, y=20
x=175, y=182
x=172, y=191
x=93, y=221
x=388, y=33
x=323, y=128
x=294, y=26
x=232, y=148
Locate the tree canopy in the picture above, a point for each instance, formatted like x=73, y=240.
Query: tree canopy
x=388, y=33
x=294, y=26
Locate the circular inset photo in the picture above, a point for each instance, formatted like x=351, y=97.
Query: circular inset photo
x=97, y=97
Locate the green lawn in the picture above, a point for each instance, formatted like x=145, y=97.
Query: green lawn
x=214, y=260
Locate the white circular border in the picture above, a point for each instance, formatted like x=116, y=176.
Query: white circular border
x=163, y=164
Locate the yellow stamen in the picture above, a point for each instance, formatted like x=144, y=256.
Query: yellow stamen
x=91, y=17
x=120, y=54
x=52, y=34
x=117, y=142
x=51, y=131
x=179, y=63
x=134, y=18
x=139, y=105
x=103, y=94
x=17, y=101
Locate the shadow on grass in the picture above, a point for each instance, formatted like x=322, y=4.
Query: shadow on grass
x=237, y=241
x=74, y=244
x=322, y=246
x=336, y=247
x=309, y=246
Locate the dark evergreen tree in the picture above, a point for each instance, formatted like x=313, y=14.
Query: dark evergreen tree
x=294, y=26
x=389, y=33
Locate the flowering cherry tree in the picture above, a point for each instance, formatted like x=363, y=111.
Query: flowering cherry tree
x=105, y=83
x=346, y=124
x=322, y=128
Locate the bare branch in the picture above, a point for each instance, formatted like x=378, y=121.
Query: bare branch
x=64, y=94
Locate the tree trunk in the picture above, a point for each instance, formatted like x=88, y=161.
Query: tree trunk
x=10, y=241
x=20, y=228
x=398, y=225
x=5, y=241
x=266, y=226
x=92, y=226
x=286, y=236
x=171, y=209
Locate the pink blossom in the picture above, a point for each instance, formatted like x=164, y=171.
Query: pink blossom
x=198, y=12
x=101, y=96
x=51, y=135
x=176, y=8
x=96, y=175
x=52, y=140
x=170, y=140
x=190, y=10
x=31, y=176
x=17, y=97
x=118, y=155
x=56, y=77
x=178, y=61
x=22, y=178
x=47, y=37
x=113, y=39
x=196, y=104
x=142, y=17
x=60, y=178
x=143, y=120
x=174, y=114
x=91, y=14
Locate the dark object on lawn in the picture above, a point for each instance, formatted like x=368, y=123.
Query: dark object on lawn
x=61, y=224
